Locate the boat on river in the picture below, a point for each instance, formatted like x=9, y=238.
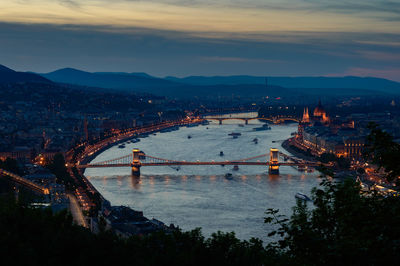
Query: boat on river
x=228, y=176
x=302, y=196
x=235, y=135
x=221, y=153
x=262, y=128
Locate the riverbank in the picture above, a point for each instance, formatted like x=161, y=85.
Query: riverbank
x=92, y=151
x=287, y=145
x=123, y=220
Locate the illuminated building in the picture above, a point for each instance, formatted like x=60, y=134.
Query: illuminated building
x=306, y=116
x=319, y=114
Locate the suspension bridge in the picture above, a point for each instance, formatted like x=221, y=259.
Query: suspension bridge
x=273, y=119
x=138, y=159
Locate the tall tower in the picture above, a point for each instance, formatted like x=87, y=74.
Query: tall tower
x=274, y=161
x=306, y=116
x=325, y=118
x=136, y=163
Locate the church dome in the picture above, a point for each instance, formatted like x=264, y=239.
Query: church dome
x=319, y=110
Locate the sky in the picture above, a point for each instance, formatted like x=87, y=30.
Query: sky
x=204, y=37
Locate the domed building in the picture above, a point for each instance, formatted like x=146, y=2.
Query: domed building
x=319, y=113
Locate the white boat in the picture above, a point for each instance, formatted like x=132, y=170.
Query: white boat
x=302, y=196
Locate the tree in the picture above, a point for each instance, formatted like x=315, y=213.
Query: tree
x=58, y=168
x=380, y=149
x=345, y=226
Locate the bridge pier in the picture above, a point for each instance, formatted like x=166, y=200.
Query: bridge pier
x=220, y=121
x=135, y=170
x=136, y=164
x=246, y=122
x=273, y=168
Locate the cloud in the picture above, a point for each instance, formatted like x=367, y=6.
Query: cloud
x=355, y=7
x=70, y=3
x=238, y=59
x=223, y=16
x=43, y=48
x=380, y=56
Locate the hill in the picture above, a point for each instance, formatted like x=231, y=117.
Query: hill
x=8, y=75
x=362, y=83
x=225, y=86
x=120, y=81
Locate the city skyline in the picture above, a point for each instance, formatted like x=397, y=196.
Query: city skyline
x=181, y=38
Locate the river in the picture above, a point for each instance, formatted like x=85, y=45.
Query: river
x=201, y=196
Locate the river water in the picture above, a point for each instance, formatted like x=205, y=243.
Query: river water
x=201, y=196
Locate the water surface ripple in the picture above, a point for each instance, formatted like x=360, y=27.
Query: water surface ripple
x=201, y=196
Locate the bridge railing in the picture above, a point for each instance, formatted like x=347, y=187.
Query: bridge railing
x=127, y=159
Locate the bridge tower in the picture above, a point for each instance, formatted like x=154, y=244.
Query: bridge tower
x=273, y=161
x=136, y=163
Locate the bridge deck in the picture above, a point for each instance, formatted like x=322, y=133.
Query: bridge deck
x=25, y=182
x=199, y=163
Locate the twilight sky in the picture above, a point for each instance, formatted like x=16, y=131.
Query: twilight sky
x=204, y=37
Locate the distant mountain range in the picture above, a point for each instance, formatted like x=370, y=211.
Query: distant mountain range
x=210, y=87
x=8, y=75
x=349, y=82
x=121, y=81
x=142, y=82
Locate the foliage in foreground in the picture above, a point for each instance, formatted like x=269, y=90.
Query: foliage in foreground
x=36, y=236
x=344, y=226
x=381, y=150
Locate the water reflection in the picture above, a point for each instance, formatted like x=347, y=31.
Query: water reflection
x=135, y=182
x=166, y=179
x=201, y=196
x=119, y=179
